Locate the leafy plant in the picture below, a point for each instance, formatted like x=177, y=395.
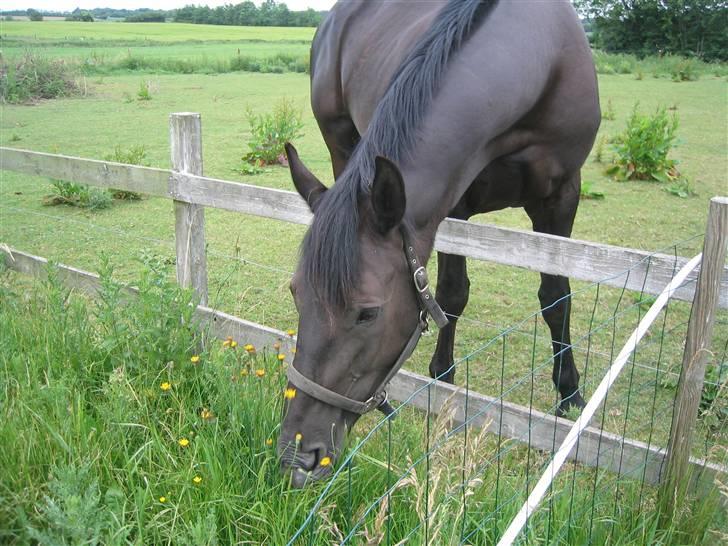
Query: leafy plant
x=609, y=114
x=588, y=193
x=681, y=188
x=643, y=147
x=714, y=397
x=599, y=149
x=270, y=131
x=77, y=195
x=136, y=155
x=143, y=92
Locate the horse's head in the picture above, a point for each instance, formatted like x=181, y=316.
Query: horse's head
x=358, y=312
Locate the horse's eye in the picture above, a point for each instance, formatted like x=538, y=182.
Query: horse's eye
x=367, y=315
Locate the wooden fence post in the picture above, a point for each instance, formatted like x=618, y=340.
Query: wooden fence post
x=695, y=358
x=185, y=133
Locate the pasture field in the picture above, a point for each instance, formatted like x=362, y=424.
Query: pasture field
x=250, y=260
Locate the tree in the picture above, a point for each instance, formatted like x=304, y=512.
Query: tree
x=34, y=15
x=682, y=27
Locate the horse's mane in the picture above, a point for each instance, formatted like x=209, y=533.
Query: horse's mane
x=330, y=250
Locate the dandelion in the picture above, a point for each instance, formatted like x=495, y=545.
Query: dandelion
x=260, y=372
x=195, y=359
x=227, y=342
x=162, y=499
x=243, y=372
x=233, y=344
x=184, y=442
x=197, y=480
x=206, y=414
x=250, y=348
x=289, y=394
x=325, y=461
x=165, y=386
x=291, y=332
x=281, y=357
x=299, y=437
x=269, y=442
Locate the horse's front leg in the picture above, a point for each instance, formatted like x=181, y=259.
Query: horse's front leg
x=453, y=289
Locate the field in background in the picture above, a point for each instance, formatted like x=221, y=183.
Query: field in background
x=251, y=259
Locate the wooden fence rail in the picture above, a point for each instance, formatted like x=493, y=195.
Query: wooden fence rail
x=579, y=260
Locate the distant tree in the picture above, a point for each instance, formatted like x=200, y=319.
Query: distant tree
x=683, y=27
x=34, y=15
x=146, y=16
x=78, y=15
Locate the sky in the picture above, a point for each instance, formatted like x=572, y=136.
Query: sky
x=70, y=5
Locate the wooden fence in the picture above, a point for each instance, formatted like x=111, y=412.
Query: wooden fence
x=191, y=192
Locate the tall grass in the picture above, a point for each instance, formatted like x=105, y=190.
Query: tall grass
x=119, y=428
x=668, y=66
x=33, y=77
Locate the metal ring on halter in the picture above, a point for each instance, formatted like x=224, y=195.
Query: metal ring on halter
x=420, y=271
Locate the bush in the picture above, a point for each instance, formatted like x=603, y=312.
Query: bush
x=33, y=77
x=642, y=149
x=269, y=132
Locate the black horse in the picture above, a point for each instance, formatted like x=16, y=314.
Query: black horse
x=429, y=109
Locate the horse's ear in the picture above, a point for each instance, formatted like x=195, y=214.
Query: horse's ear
x=308, y=186
x=387, y=195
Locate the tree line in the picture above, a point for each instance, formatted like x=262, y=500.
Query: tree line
x=693, y=28
x=270, y=13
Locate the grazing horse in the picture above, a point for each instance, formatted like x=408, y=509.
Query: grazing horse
x=429, y=109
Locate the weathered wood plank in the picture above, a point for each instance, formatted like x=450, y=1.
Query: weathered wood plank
x=248, y=199
x=636, y=459
x=516, y=419
x=581, y=260
x=106, y=174
x=185, y=136
x=695, y=358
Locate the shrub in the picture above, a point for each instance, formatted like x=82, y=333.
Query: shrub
x=33, y=77
x=269, y=132
x=136, y=155
x=77, y=195
x=609, y=114
x=143, y=93
x=642, y=149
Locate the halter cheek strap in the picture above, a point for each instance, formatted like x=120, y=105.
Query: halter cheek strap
x=378, y=400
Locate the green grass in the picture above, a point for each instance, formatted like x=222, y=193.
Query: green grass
x=101, y=32
x=98, y=402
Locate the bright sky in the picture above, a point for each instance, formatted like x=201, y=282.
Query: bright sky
x=70, y=5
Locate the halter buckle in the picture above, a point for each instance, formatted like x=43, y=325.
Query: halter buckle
x=421, y=274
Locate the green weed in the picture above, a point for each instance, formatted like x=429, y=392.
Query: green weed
x=135, y=155
x=681, y=188
x=609, y=114
x=642, y=148
x=270, y=131
x=33, y=77
x=143, y=92
x=77, y=195
x=588, y=192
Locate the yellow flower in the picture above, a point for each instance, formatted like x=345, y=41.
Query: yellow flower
x=281, y=357
x=162, y=499
x=289, y=394
x=165, y=386
x=325, y=461
x=250, y=348
x=243, y=372
x=269, y=442
x=184, y=442
x=293, y=350
x=291, y=332
x=197, y=480
x=206, y=414
x=195, y=359
x=233, y=344
x=260, y=372
x=299, y=437
x=227, y=342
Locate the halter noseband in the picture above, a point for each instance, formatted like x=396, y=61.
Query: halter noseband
x=378, y=400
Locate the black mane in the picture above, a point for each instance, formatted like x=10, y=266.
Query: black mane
x=330, y=250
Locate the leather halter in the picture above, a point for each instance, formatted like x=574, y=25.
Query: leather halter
x=378, y=400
